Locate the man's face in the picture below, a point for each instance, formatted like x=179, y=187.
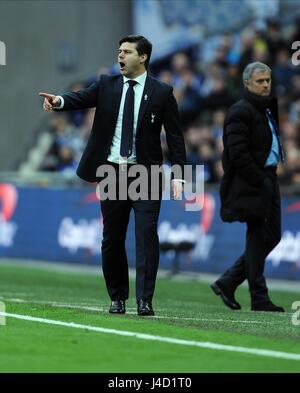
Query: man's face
x=260, y=83
x=130, y=62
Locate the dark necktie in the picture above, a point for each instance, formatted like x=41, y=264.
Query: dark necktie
x=127, y=122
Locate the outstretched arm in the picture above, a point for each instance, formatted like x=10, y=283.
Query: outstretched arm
x=83, y=99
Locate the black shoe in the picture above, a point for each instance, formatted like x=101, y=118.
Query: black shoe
x=226, y=296
x=266, y=306
x=144, y=308
x=117, y=307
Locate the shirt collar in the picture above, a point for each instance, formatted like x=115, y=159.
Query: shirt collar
x=139, y=79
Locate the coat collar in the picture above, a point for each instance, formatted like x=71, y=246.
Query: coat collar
x=259, y=102
x=262, y=103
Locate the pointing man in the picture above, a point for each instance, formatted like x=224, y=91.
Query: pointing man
x=130, y=111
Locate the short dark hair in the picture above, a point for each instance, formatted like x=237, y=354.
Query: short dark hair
x=143, y=45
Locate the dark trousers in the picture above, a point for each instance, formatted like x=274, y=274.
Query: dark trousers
x=261, y=238
x=114, y=259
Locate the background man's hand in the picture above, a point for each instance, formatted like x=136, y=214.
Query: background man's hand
x=177, y=188
x=50, y=101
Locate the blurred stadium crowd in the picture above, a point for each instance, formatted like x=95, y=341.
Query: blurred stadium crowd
x=204, y=91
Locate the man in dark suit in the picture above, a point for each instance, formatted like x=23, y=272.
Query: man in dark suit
x=249, y=188
x=130, y=111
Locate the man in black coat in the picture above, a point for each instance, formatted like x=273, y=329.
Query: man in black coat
x=130, y=111
x=249, y=189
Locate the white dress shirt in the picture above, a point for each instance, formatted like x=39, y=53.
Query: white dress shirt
x=114, y=155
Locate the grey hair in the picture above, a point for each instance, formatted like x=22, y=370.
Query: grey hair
x=254, y=67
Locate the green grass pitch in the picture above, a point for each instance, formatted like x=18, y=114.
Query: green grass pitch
x=186, y=310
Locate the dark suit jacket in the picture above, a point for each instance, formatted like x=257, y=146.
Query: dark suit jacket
x=105, y=95
x=247, y=142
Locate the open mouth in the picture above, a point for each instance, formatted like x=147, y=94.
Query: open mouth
x=122, y=65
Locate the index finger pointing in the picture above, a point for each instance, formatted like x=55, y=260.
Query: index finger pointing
x=46, y=95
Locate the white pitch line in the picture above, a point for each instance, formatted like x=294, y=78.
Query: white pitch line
x=101, y=309
x=170, y=340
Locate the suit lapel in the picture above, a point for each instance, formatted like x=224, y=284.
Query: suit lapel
x=116, y=99
x=148, y=90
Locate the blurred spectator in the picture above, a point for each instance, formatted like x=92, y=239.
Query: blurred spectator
x=213, y=71
x=180, y=62
x=221, y=57
x=295, y=35
x=283, y=71
x=67, y=144
x=166, y=76
x=66, y=160
x=219, y=97
x=247, y=39
x=230, y=46
x=188, y=98
x=187, y=84
x=260, y=48
x=233, y=82
x=274, y=38
x=201, y=150
x=295, y=88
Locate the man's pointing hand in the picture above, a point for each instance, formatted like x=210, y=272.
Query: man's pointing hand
x=50, y=101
